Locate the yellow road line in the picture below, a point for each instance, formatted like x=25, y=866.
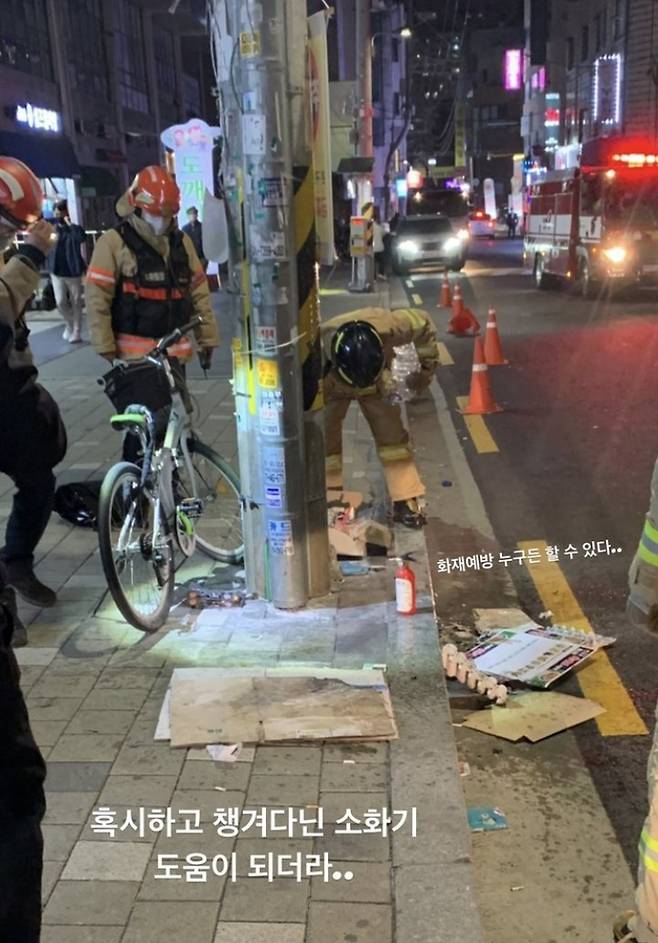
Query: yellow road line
x=598, y=679
x=417, y=300
x=482, y=439
x=444, y=355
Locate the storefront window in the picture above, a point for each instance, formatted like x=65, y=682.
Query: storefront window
x=24, y=38
x=165, y=63
x=131, y=57
x=85, y=47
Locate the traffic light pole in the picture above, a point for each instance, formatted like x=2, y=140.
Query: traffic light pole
x=277, y=382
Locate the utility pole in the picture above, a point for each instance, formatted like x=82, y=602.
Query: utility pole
x=364, y=95
x=277, y=361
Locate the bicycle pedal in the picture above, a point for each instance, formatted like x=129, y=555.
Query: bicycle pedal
x=191, y=507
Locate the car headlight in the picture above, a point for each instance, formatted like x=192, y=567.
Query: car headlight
x=408, y=247
x=615, y=254
x=452, y=245
x=463, y=234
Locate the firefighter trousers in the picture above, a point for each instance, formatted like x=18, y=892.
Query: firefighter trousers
x=391, y=438
x=645, y=924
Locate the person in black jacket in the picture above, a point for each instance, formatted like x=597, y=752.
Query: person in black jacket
x=67, y=267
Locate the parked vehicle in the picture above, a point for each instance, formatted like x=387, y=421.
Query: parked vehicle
x=428, y=241
x=480, y=224
x=594, y=226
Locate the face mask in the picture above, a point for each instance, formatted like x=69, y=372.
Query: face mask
x=157, y=223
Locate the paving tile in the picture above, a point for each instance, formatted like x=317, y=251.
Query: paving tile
x=371, y=883
x=68, y=808
x=93, y=903
x=129, y=699
x=158, y=888
x=288, y=761
x=206, y=801
x=122, y=815
x=257, y=900
x=153, y=922
x=232, y=776
x=56, y=684
x=358, y=923
x=135, y=791
x=76, y=777
x=107, y=861
x=101, y=722
x=245, y=848
x=360, y=752
x=86, y=748
x=353, y=777
x=58, y=840
x=127, y=678
x=51, y=873
x=155, y=760
x=260, y=933
x=295, y=791
x=47, y=732
x=52, y=708
x=81, y=934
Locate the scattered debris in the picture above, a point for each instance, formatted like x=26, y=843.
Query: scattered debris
x=534, y=715
x=517, y=887
x=533, y=654
x=488, y=619
x=349, y=762
x=224, y=754
x=459, y=666
x=352, y=539
x=352, y=568
x=446, y=483
x=231, y=706
x=464, y=768
x=486, y=819
x=545, y=616
x=202, y=598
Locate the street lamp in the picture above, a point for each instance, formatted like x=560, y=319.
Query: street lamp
x=404, y=32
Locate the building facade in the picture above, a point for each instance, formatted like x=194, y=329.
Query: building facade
x=87, y=86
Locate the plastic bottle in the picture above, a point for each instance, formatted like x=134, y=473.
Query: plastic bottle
x=405, y=589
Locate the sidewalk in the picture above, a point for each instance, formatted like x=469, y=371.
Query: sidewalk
x=95, y=688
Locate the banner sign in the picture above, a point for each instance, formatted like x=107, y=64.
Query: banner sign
x=318, y=78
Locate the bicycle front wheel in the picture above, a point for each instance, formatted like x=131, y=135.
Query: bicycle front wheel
x=216, y=486
x=136, y=549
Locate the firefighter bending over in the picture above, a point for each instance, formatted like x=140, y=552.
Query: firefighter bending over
x=360, y=347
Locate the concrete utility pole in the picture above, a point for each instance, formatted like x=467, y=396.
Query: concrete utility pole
x=364, y=94
x=260, y=51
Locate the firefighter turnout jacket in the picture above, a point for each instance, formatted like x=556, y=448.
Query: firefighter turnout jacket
x=141, y=286
x=396, y=329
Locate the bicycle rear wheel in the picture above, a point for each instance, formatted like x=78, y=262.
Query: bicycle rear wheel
x=136, y=549
x=216, y=485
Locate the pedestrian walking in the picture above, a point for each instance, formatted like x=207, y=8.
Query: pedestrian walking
x=67, y=268
x=32, y=436
x=194, y=229
x=360, y=347
x=378, y=247
x=512, y=220
x=641, y=925
x=145, y=279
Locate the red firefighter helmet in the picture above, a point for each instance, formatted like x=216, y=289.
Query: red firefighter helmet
x=21, y=196
x=155, y=191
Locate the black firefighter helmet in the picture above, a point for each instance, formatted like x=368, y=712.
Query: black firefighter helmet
x=357, y=353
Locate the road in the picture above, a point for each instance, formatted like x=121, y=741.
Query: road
x=570, y=463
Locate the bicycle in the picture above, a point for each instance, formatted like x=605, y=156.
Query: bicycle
x=182, y=496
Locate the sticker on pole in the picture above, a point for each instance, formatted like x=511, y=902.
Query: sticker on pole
x=253, y=135
x=268, y=374
x=272, y=191
x=265, y=337
x=249, y=45
x=270, y=412
x=273, y=466
x=274, y=498
x=280, y=535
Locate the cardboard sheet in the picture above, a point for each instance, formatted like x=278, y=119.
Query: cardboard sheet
x=534, y=715
x=210, y=705
x=534, y=654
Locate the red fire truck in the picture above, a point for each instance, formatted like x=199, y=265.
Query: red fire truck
x=596, y=225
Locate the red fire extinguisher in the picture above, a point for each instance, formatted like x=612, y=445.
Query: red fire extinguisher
x=405, y=589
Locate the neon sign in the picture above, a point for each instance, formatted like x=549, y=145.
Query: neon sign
x=513, y=69
x=607, y=89
x=41, y=119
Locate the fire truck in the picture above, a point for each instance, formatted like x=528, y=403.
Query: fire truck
x=596, y=226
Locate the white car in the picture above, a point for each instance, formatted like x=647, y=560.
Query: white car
x=481, y=225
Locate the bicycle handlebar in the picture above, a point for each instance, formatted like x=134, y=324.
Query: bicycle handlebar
x=175, y=336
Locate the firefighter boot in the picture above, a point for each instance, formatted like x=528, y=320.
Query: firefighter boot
x=409, y=513
x=621, y=931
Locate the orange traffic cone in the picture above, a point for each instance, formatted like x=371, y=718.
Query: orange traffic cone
x=445, y=299
x=457, y=301
x=493, y=352
x=481, y=399
x=464, y=324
